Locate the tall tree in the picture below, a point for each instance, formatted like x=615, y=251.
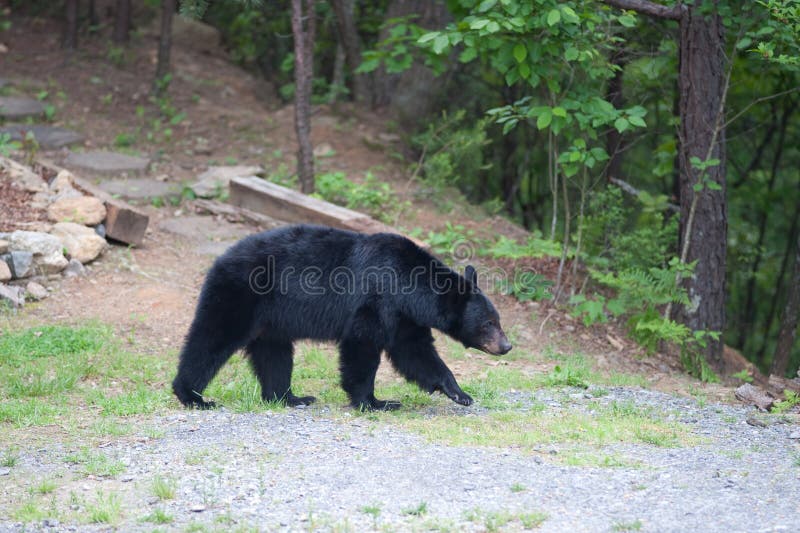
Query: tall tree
x=70, y=40
x=122, y=22
x=348, y=36
x=164, y=41
x=303, y=29
x=791, y=313
x=701, y=140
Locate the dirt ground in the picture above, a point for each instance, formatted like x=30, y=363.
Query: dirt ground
x=150, y=291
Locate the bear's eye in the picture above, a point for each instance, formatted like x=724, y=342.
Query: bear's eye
x=488, y=324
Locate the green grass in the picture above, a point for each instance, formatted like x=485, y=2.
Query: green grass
x=95, y=463
x=105, y=510
x=498, y=520
x=418, y=510
x=10, y=458
x=636, y=525
x=518, y=487
x=163, y=488
x=158, y=516
x=45, y=486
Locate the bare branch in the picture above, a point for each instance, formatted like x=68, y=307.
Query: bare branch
x=646, y=7
x=633, y=191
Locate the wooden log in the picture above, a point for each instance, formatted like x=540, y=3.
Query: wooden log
x=124, y=223
x=291, y=206
x=234, y=213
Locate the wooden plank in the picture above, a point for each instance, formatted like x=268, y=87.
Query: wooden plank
x=288, y=205
x=234, y=213
x=123, y=222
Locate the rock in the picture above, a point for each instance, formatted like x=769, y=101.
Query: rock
x=795, y=435
x=36, y=291
x=197, y=508
x=82, y=243
x=216, y=179
x=46, y=250
x=74, y=268
x=5, y=271
x=63, y=181
x=86, y=210
x=100, y=229
x=754, y=396
x=3, y=246
x=13, y=295
x=48, y=137
x=19, y=262
x=15, y=108
x=5, y=471
x=324, y=150
x=107, y=163
x=22, y=176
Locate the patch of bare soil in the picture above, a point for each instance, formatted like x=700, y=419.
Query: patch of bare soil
x=16, y=211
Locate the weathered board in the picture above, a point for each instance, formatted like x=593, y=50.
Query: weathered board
x=285, y=204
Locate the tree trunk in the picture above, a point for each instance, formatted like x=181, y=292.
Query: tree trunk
x=70, y=41
x=614, y=137
x=164, y=41
x=791, y=313
x=122, y=22
x=348, y=37
x=701, y=82
x=94, y=20
x=303, y=75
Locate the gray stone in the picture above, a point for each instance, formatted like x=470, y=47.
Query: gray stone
x=141, y=188
x=795, y=435
x=74, y=268
x=212, y=237
x=107, y=163
x=100, y=229
x=15, y=107
x=216, y=179
x=46, y=250
x=36, y=291
x=19, y=262
x=13, y=295
x=48, y=137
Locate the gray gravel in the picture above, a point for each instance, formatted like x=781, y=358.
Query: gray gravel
x=310, y=470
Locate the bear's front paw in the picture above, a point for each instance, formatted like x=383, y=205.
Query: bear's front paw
x=451, y=389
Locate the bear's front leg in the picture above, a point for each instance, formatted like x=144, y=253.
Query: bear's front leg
x=413, y=355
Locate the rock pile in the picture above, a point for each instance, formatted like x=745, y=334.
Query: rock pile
x=29, y=259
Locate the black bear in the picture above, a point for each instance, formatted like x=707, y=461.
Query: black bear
x=367, y=292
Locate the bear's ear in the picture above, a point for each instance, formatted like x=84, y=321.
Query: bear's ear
x=471, y=275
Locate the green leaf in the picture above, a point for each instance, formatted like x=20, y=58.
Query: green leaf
x=569, y=14
x=560, y=112
x=637, y=121
x=478, y=24
x=571, y=54
x=428, y=37
x=544, y=119
x=697, y=187
x=553, y=17
x=621, y=124
x=486, y=5
x=468, y=55
x=520, y=52
x=440, y=43
x=493, y=27
x=627, y=20
x=524, y=70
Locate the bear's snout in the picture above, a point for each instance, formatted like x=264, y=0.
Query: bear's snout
x=498, y=345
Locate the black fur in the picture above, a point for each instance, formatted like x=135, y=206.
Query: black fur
x=367, y=292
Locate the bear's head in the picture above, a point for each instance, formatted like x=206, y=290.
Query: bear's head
x=480, y=323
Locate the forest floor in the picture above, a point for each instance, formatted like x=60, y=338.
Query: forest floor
x=576, y=429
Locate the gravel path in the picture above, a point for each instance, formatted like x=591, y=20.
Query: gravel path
x=306, y=470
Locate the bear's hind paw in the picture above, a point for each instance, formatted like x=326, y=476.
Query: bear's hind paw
x=295, y=401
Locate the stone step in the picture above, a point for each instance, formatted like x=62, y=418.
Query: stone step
x=19, y=107
x=48, y=137
x=107, y=163
x=140, y=188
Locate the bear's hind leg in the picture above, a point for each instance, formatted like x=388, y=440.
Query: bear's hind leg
x=360, y=355
x=272, y=362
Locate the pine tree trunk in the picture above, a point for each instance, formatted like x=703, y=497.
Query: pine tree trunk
x=348, y=37
x=701, y=82
x=70, y=41
x=791, y=313
x=122, y=22
x=165, y=40
x=303, y=75
x=94, y=20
